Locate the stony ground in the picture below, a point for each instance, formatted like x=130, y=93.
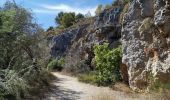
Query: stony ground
x=69, y=88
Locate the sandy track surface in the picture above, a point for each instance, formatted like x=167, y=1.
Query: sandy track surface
x=69, y=88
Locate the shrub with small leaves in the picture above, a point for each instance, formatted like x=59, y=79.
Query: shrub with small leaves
x=56, y=64
x=107, y=64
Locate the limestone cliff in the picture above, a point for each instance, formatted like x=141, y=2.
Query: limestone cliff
x=76, y=44
x=145, y=37
x=146, y=42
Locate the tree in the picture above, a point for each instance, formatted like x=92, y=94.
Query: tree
x=51, y=28
x=99, y=9
x=125, y=1
x=117, y=2
x=59, y=18
x=107, y=6
x=65, y=19
x=22, y=59
x=68, y=19
x=79, y=16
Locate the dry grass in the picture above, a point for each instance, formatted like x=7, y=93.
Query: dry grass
x=103, y=96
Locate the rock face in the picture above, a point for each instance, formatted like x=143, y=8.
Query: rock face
x=146, y=42
x=61, y=43
x=76, y=44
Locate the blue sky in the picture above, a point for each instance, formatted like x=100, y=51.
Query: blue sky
x=45, y=11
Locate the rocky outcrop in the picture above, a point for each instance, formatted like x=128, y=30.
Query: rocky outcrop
x=146, y=42
x=76, y=44
x=61, y=43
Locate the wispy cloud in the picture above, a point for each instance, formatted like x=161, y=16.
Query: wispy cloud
x=53, y=9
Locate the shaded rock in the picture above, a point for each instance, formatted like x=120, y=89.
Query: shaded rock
x=124, y=73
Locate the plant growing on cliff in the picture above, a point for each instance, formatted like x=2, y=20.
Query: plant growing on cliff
x=99, y=9
x=107, y=64
x=67, y=19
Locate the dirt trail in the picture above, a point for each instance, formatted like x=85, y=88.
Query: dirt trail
x=69, y=88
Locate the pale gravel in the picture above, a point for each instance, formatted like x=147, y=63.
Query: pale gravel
x=69, y=88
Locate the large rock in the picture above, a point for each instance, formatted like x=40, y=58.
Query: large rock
x=146, y=42
x=76, y=45
x=61, y=43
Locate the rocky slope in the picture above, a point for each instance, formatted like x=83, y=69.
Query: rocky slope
x=76, y=44
x=146, y=42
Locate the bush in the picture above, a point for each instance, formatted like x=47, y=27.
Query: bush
x=79, y=16
x=126, y=1
x=12, y=85
x=67, y=19
x=99, y=9
x=56, y=64
x=107, y=64
x=22, y=59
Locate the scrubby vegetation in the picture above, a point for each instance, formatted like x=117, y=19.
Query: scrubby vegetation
x=56, y=64
x=107, y=70
x=67, y=19
x=107, y=64
x=23, y=61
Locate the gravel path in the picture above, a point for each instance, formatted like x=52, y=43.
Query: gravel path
x=69, y=88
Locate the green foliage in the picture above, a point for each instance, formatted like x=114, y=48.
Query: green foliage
x=117, y=2
x=22, y=52
x=59, y=18
x=7, y=22
x=13, y=84
x=79, y=16
x=99, y=9
x=108, y=6
x=88, y=77
x=56, y=64
x=126, y=1
x=107, y=64
x=67, y=19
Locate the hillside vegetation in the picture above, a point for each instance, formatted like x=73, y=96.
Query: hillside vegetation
x=23, y=53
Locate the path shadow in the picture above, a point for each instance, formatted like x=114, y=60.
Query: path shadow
x=55, y=92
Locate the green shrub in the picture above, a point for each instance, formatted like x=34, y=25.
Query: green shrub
x=23, y=52
x=107, y=64
x=56, y=64
x=99, y=9
x=12, y=85
x=67, y=19
x=126, y=1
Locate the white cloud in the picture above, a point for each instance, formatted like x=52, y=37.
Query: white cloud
x=53, y=9
x=44, y=11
